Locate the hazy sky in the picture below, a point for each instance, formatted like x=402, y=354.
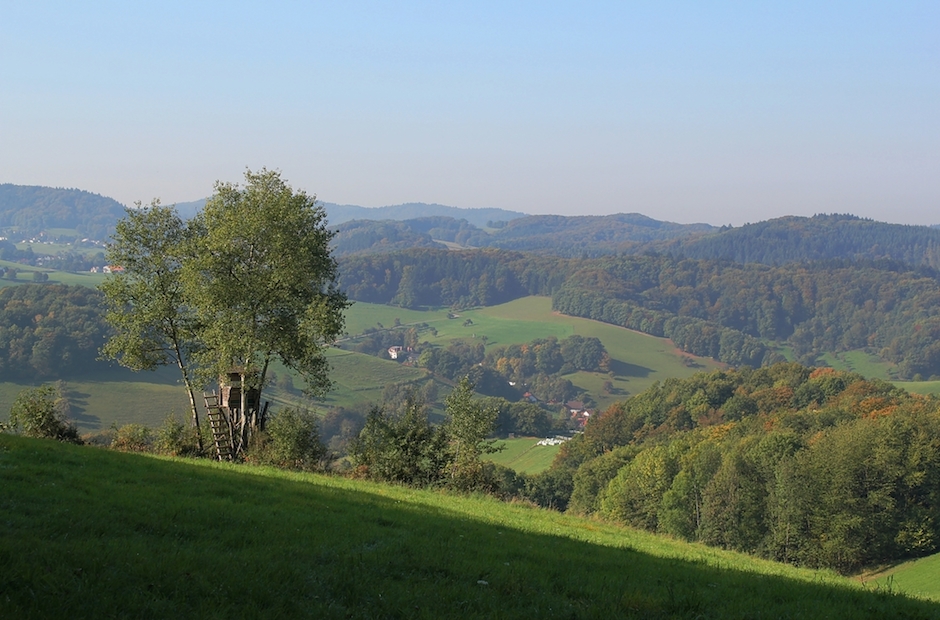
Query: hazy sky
x=683, y=111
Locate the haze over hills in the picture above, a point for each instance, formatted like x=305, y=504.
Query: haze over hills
x=339, y=214
x=27, y=211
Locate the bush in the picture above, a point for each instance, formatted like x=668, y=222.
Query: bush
x=132, y=438
x=173, y=438
x=40, y=412
x=291, y=440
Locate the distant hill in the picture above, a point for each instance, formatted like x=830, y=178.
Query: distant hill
x=28, y=210
x=821, y=237
x=557, y=235
x=368, y=237
x=340, y=214
x=591, y=235
x=337, y=214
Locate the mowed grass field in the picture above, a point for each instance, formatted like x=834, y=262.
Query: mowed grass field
x=524, y=455
x=115, y=397
x=97, y=533
x=359, y=379
x=638, y=359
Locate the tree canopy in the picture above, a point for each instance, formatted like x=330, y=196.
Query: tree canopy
x=249, y=280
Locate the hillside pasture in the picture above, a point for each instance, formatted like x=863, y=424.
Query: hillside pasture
x=638, y=359
x=524, y=455
x=115, y=396
x=917, y=578
x=25, y=276
x=106, y=534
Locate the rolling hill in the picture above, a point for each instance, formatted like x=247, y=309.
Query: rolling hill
x=105, y=534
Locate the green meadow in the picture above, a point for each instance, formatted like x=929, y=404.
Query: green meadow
x=87, y=532
x=638, y=359
x=523, y=455
x=103, y=396
x=919, y=577
x=25, y=276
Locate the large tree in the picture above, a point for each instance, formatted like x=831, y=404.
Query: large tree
x=263, y=282
x=248, y=281
x=154, y=324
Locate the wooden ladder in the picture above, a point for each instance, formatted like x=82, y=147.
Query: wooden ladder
x=221, y=428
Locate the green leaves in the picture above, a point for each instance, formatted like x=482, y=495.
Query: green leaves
x=262, y=279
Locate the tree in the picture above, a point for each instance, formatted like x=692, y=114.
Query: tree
x=469, y=426
x=263, y=283
x=154, y=323
x=248, y=280
x=401, y=446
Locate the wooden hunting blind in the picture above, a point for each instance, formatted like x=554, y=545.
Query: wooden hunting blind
x=234, y=416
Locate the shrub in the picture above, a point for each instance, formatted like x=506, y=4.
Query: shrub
x=291, y=440
x=40, y=412
x=132, y=438
x=173, y=438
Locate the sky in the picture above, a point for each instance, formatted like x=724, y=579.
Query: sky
x=717, y=112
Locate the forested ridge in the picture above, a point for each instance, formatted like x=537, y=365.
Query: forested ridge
x=433, y=277
x=801, y=239
x=30, y=210
x=720, y=309
x=809, y=466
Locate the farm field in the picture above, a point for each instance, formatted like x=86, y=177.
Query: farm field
x=360, y=378
x=523, y=455
x=861, y=362
x=25, y=276
x=130, y=535
x=116, y=396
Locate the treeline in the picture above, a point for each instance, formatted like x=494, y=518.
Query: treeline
x=429, y=277
x=49, y=331
x=813, y=467
x=821, y=237
x=720, y=309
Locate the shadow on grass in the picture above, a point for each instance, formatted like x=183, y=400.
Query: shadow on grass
x=625, y=369
x=87, y=532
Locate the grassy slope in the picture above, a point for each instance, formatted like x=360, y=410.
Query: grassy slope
x=638, y=359
x=917, y=577
x=524, y=455
x=91, y=533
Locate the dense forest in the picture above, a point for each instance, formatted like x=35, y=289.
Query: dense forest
x=722, y=309
x=431, y=277
x=808, y=466
x=49, y=331
x=802, y=239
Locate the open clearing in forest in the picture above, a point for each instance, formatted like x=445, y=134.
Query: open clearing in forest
x=524, y=455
